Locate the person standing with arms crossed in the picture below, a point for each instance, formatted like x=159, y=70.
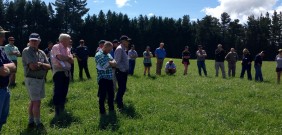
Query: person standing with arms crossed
x=62, y=59
x=105, y=63
x=36, y=65
x=121, y=69
x=219, y=60
x=6, y=68
x=201, y=57
x=232, y=58
x=160, y=54
x=13, y=53
x=132, y=55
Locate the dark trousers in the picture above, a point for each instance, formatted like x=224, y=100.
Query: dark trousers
x=106, y=89
x=121, y=79
x=83, y=65
x=131, y=67
x=201, y=65
x=248, y=69
x=61, y=85
x=258, y=75
x=72, y=70
x=231, y=69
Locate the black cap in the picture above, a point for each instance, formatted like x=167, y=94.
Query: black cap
x=115, y=41
x=124, y=37
x=102, y=42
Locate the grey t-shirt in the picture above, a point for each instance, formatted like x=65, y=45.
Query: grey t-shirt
x=31, y=55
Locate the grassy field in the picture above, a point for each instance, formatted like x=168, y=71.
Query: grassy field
x=162, y=105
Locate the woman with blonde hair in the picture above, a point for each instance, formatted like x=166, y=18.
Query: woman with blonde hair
x=246, y=64
x=279, y=65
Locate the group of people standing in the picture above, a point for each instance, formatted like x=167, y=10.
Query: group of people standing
x=114, y=62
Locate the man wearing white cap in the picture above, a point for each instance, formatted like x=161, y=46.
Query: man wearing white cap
x=36, y=65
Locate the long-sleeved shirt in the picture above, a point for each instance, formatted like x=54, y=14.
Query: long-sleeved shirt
x=121, y=58
x=278, y=61
x=232, y=57
x=246, y=59
x=219, y=55
x=104, y=70
x=4, y=81
x=160, y=53
x=258, y=60
x=132, y=54
x=57, y=64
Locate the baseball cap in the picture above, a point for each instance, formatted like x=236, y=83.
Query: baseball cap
x=2, y=30
x=34, y=36
x=102, y=42
x=124, y=37
x=115, y=41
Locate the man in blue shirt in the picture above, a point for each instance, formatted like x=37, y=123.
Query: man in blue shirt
x=6, y=68
x=170, y=67
x=82, y=55
x=160, y=54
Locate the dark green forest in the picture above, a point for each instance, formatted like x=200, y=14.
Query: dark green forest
x=22, y=17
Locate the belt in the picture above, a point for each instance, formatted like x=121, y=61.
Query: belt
x=34, y=77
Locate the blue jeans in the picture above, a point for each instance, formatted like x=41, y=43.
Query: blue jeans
x=4, y=105
x=131, y=67
x=202, y=65
x=258, y=76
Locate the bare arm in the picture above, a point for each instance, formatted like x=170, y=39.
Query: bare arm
x=7, y=69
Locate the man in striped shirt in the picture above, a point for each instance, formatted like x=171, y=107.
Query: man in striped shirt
x=105, y=63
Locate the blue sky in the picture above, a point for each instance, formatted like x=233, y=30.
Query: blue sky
x=196, y=9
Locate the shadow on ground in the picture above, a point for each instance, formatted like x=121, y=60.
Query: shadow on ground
x=130, y=111
x=64, y=120
x=109, y=122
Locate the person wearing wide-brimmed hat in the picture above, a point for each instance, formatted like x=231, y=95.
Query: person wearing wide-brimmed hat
x=122, y=67
x=185, y=59
x=246, y=64
x=279, y=65
x=6, y=68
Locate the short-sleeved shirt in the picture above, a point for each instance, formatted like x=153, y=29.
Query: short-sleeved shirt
x=200, y=56
x=170, y=66
x=132, y=54
x=145, y=55
x=161, y=53
x=9, y=49
x=32, y=55
x=4, y=81
x=82, y=52
x=121, y=58
x=58, y=65
x=185, y=54
x=104, y=70
x=278, y=61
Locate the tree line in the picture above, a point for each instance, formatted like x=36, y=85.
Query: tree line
x=22, y=17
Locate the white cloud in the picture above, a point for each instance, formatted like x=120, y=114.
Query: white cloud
x=122, y=3
x=241, y=9
x=151, y=14
x=98, y=1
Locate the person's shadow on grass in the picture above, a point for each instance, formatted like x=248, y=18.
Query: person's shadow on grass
x=39, y=131
x=109, y=122
x=64, y=120
x=130, y=111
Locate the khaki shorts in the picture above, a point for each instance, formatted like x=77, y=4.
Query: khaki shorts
x=35, y=88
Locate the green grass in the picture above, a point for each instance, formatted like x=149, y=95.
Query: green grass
x=162, y=104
